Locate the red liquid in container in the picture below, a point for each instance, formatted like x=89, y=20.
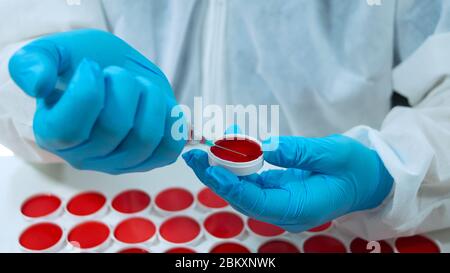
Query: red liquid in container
x=278, y=247
x=135, y=230
x=264, y=229
x=224, y=225
x=40, y=205
x=229, y=248
x=89, y=235
x=180, y=250
x=210, y=199
x=323, y=244
x=174, y=199
x=359, y=245
x=86, y=203
x=131, y=201
x=321, y=227
x=40, y=237
x=179, y=230
x=249, y=148
x=133, y=250
x=416, y=244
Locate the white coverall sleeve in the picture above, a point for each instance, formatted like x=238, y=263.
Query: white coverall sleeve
x=22, y=21
x=414, y=144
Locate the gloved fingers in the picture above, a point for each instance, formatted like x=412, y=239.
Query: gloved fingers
x=197, y=160
x=270, y=205
x=145, y=135
x=65, y=120
x=170, y=146
x=324, y=155
x=115, y=121
x=35, y=68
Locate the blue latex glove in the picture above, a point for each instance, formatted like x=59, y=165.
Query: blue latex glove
x=325, y=178
x=101, y=105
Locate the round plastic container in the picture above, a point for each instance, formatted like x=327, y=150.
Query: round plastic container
x=131, y=202
x=209, y=200
x=133, y=250
x=323, y=244
x=238, y=164
x=224, y=225
x=417, y=244
x=262, y=229
x=229, y=248
x=90, y=236
x=42, y=207
x=173, y=200
x=135, y=230
x=359, y=245
x=42, y=238
x=278, y=246
x=87, y=205
x=180, y=230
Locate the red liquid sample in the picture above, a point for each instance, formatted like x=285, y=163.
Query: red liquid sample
x=180, y=250
x=133, y=250
x=86, y=203
x=135, y=230
x=416, y=244
x=249, y=148
x=359, y=245
x=40, y=205
x=323, y=244
x=41, y=236
x=278, y=247
x=264, y=229
x=131, y=201
x=321, y=227
x=224, y=225
x=174, y=199
x=88, y=235
x=229, y=248
x=179, y=230
x=210, y=199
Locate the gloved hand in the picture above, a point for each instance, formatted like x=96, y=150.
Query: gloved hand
x=325, y=178
x=101, y=105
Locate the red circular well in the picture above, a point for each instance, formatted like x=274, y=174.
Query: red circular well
x=416, y=244
x=264, y=229
x=88, y=234
x=174, y=199
x=248, y=150
x=135, y=230
x=40, y=205
x=321, y=228
x=180, y=229
x=131, y=201
x=133, y=250
x=40, y=236
x=278, y=247
x=180, y=250
x=229, y=248
x=359, y=245
x=210, y=199
x=86, y=203
x=224, y=225
x=323, y=244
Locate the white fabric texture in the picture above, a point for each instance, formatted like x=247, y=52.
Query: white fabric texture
x=331, y=66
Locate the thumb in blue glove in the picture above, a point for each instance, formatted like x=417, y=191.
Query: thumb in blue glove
x=101, y=105
x=324, y=178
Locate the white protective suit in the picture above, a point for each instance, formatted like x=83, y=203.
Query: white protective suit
x=332, y=66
